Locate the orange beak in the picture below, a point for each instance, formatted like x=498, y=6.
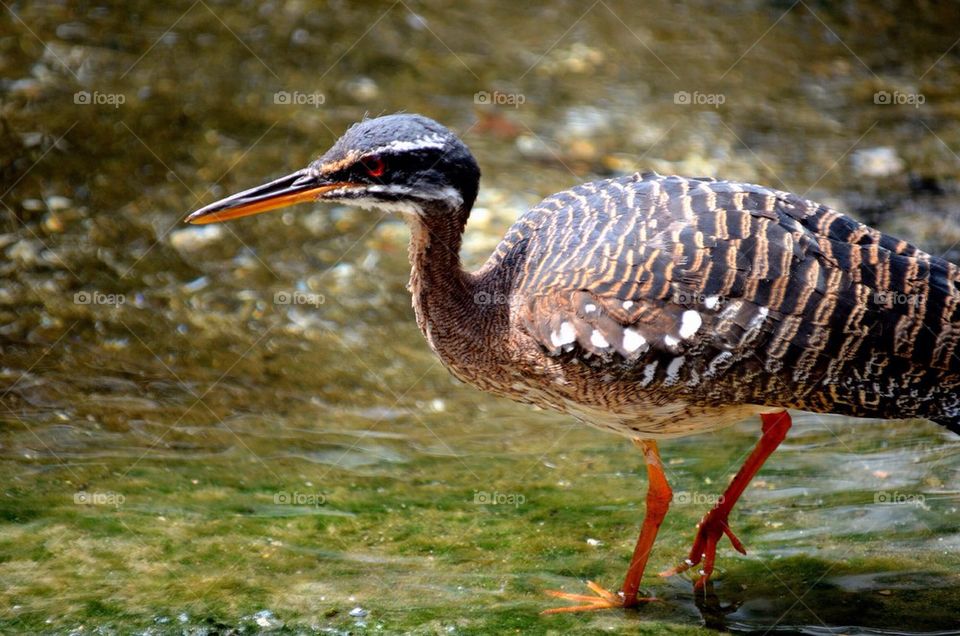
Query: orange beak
x=286, y=191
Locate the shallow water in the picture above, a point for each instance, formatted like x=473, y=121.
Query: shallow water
x=239, y=428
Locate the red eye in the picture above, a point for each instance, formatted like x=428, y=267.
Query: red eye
x=375, y=166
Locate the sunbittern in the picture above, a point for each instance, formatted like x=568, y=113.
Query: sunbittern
x=653, y=306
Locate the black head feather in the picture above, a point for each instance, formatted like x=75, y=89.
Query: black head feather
x=404, y=159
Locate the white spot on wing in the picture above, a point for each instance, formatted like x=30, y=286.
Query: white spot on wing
x=648, y=372
x=690, y=323
x=673, y=370
x=627, y=304
x=757, y=320
x=565, y=336
x=670, y=341
x=711, y=301
x=716, y=364
x=589, y=308
x=597, y=340
x=632, y=340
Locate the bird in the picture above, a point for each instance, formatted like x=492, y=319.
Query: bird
x=652, y=307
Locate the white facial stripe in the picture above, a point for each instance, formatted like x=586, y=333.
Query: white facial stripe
x=433, y=141
x=448, y=194
x=388, y=188
x=369, y=203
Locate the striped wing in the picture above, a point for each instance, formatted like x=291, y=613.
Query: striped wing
x=633, y=267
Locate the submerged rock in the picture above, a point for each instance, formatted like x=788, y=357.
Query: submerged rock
x=194, y=239
x=881, y=161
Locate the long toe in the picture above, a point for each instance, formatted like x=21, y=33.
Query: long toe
x=603, y=599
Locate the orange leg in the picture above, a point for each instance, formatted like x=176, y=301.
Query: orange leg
x=658, y=500
x=714, y=523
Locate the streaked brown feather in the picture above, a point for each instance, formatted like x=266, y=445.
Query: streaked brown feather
x=794, y=304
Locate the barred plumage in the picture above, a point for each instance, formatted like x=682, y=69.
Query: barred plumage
x=654, y=306
x=646, y=290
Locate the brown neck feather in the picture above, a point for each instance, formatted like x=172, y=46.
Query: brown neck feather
x=441, y=289
x=464, y=316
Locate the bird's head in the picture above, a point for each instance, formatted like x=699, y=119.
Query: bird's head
x=397, y=163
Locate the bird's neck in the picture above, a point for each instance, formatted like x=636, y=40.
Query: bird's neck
x=437, y=280
x=444, y=295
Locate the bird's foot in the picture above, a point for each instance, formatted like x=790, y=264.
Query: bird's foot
x=711, y=528
x=603, y=599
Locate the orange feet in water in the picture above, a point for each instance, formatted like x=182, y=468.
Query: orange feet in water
x=709, y=531
x=603, y=599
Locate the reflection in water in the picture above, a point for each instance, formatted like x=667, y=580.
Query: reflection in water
x=249, y=462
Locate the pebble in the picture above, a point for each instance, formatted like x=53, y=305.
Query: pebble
x=358, y=612
x=534, y=147
x=266, y=619
x=196, y=285
x=32, y=139
x=72, y=31
x=301, y=37
x=25, y=252
x=879, y=162
x=58, y=203
x=362, y=89
x=194, y=239
x=53, y=224
x=584, y=123
x=28, y=87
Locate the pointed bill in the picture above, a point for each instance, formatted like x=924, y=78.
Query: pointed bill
x=297, y=187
